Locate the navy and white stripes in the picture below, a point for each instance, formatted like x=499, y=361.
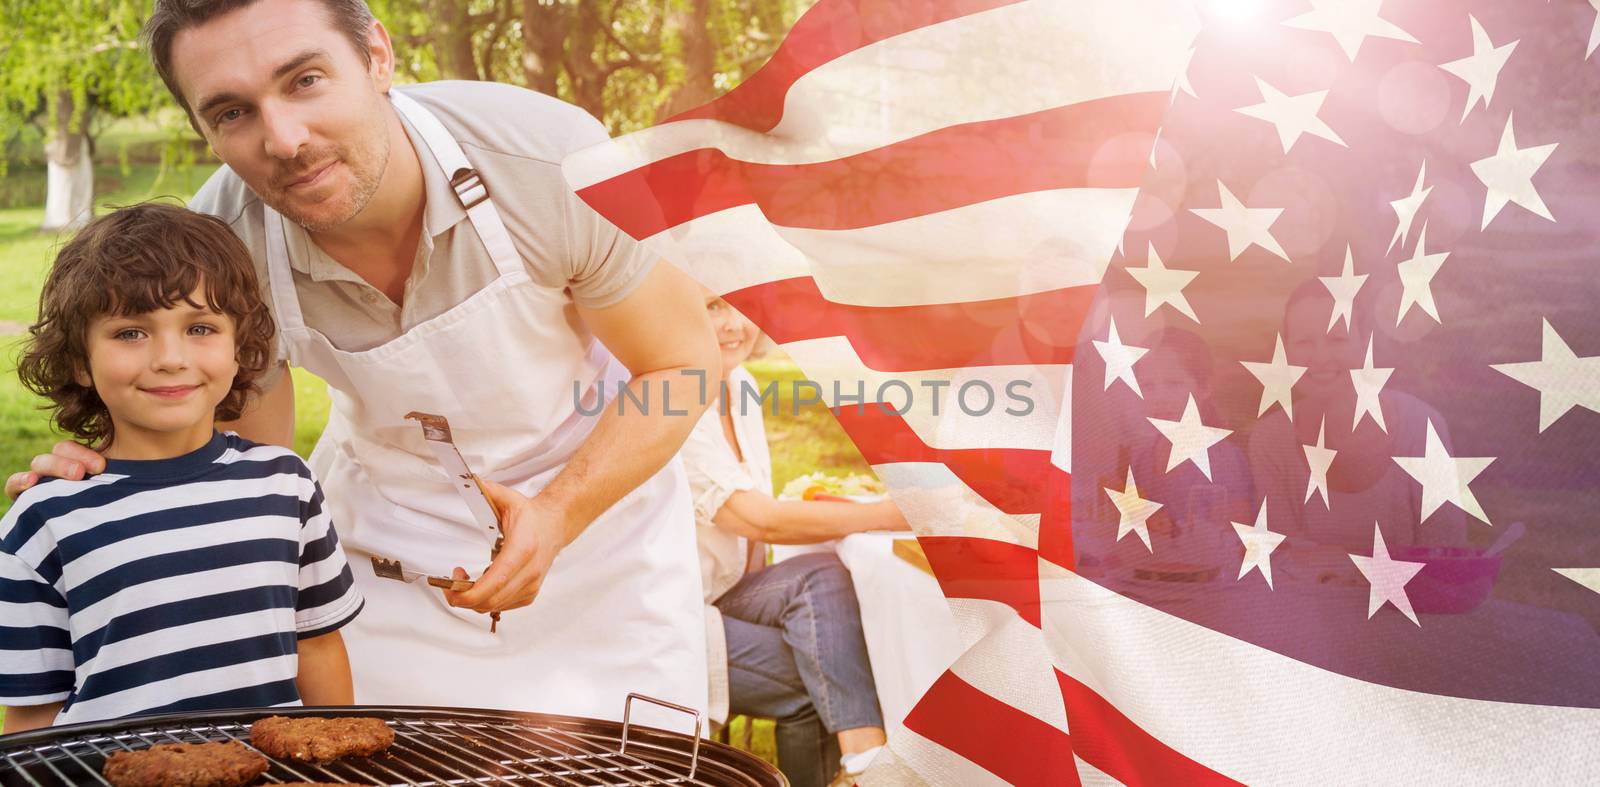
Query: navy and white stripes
x=178, y=584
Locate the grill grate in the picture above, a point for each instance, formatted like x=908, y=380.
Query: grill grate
x=432, y=747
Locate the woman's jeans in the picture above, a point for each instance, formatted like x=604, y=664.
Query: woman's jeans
x=796, y=654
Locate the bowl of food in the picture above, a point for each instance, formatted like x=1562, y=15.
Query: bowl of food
x=821, y=486
x=1453, y=580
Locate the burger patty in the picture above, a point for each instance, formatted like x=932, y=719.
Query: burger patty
x=185, y=765
x=315, y=739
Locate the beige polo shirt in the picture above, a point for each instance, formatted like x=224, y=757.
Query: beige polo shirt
x=516, y=139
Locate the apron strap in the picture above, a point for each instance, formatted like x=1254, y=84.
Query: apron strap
x=467, y=183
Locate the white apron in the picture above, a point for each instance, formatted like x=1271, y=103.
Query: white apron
x=620, y=610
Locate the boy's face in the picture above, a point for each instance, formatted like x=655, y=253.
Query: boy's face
x=286, y=102
x=162, y=373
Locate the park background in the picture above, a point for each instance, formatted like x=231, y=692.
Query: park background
x=85, y=125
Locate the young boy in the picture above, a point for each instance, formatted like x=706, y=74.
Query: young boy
x=200, y=570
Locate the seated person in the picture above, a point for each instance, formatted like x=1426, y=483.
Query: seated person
x=199, y=571
x=790, y=633
x=1364, y=484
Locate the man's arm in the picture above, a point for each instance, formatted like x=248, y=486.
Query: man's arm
x=659, y=331
x=269, y=416
x=21, y=718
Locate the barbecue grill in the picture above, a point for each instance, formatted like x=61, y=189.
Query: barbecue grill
x=433, y=746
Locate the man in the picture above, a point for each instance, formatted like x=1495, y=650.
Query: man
x=421, y=252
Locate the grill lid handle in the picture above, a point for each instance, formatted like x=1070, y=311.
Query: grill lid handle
x=627, y=710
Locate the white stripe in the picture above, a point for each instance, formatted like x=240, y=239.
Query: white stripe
x=177, y=541
x=167, y=498
x=1015, y=245
x=832, y=360
x=920, y=758
x=1046, y=54
x=163, y=692
x=1010, y=664
x=1264, y=718
x=166, y=590
x=1091, y=776
x=936, y=502
x=188, y=635
x=1030, y=243
x=32, y=613
x=31, y=662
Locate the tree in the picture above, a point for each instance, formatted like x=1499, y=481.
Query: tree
x=62, y=63
x=629, y=62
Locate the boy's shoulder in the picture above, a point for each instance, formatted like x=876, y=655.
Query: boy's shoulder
x=46, y=500
x=238, y=449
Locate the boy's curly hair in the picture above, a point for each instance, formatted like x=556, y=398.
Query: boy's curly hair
x=139, y=259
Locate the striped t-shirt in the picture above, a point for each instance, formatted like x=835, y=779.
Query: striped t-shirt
x=168, y=585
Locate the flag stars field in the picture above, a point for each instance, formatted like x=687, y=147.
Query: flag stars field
x=1416, y=279
x=1369, y=382
x=1119, y=359
x=1343, y=288
x=1350, y=22
x=1405, y=208
x=1133, y=511
x=1319, y=458
x=1277, y=379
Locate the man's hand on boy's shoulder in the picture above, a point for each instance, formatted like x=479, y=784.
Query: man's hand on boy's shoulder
x=67, y=459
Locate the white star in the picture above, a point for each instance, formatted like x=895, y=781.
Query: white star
x=1445, y=478
x=1343, y=288
x=1416, y=278
x=1594, y=32
x=1388, y=577
x=1369, y=382
x=1564, y=380
x=1120, y=359
x=1319, y=458
x=1587, y=577
x=1292, y=116
x=1182, y=82
x=1243, y=225
x=1163, y=286
x=1508, y=174
x=1132, y=511
x=1190, y=439
x=1482, y=69
x=1350, y=22
x=1258, y=545
x=1406, y=208
x=1277, y=378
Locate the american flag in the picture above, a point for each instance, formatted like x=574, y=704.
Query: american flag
x=1302, y=293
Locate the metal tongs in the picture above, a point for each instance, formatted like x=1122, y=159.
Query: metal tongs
x=436, y=432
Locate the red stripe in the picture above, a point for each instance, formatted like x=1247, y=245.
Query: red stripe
x=831, y=28
x=1103, y=143
x=1010, y=479
x=1055, y=520
x=1002, y=740
x=1110, y=741
x=933, y=336
x=983, y=568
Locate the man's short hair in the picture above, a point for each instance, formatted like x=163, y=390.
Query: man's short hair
x=171, y=17
x=135, y=260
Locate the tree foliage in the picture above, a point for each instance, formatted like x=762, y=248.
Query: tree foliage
x=629, y=62
x=63, y=63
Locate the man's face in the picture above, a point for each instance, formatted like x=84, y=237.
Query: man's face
x=287, y=102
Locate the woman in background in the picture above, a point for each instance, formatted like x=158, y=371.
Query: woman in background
x=784, y=641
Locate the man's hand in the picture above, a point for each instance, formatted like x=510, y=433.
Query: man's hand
x=534, y=534
x=66, y=460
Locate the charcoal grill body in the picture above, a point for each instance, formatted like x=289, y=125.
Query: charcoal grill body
x=433, y=746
